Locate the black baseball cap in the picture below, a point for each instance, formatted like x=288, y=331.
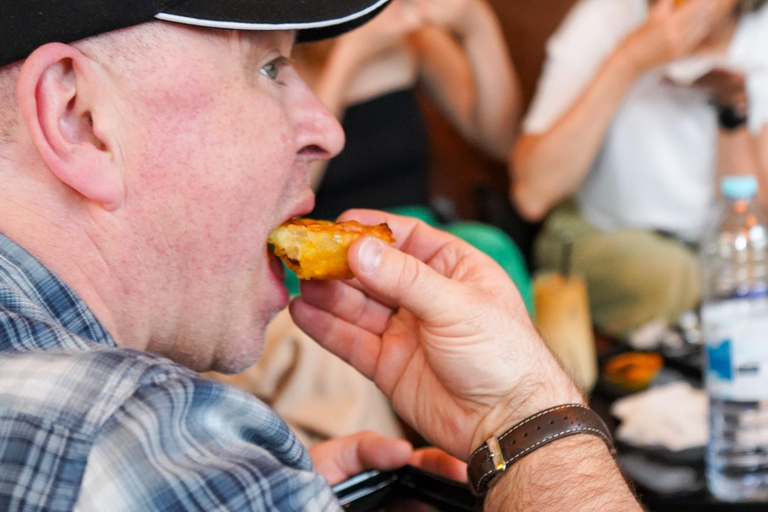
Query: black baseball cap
x=27, y=24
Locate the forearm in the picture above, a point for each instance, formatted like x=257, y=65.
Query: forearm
x=576, y=473
x=332, y=82
x=739, y=153
x=548, y=167
x=495, y=116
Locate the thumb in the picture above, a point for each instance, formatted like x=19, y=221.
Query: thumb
x=402, y=279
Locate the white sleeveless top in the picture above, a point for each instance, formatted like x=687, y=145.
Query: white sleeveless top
x=657, y=165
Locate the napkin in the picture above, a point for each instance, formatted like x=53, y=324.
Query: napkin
x=673, y=416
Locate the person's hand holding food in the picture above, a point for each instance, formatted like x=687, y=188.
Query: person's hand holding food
x=441, y=330
x=674, y=29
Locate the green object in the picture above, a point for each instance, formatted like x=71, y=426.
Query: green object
x=291, y=282
x=489, y=239
x=499, y=246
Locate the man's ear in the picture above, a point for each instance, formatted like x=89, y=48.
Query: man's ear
x=57, y=94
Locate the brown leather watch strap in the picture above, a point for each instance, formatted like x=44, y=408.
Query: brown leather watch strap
x=493, y=456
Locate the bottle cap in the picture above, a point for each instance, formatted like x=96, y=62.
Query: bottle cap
x=738, y=187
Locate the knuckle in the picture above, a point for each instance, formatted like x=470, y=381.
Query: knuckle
x=359, y=310
x=410, y=274
x=369, y=435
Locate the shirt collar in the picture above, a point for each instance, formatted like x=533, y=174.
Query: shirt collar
x=53, y=315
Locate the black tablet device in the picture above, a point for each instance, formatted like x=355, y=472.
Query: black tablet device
x=406, y=489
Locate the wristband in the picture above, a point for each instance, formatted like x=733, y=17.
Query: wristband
x=497, y=454
x=729, y=118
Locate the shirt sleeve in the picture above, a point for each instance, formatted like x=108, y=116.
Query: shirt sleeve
x=588, y=35
x=189, y=444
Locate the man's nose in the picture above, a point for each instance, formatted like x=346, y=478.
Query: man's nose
x=318, y=132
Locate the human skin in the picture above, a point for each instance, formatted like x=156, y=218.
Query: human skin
x=166, y=181
x=546, y=168
x=738, y=151
x=455, y=49
x=443, y=332
x=341, y=458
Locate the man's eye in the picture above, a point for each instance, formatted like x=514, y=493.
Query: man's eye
x=271, y=70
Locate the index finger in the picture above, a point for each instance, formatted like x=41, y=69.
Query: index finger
x=412, y=236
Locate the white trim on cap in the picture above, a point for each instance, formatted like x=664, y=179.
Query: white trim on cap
x=237, y=25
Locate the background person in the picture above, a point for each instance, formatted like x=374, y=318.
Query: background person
x=639, y=154
x=455, y=51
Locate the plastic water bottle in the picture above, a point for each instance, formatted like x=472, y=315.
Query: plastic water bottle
x=735, y=326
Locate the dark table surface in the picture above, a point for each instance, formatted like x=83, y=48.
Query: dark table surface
x=659, y=463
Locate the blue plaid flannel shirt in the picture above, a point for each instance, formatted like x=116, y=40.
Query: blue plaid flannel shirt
x=88, y=426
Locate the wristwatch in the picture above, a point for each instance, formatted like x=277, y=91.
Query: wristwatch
x=494, y=456
x=730, y=118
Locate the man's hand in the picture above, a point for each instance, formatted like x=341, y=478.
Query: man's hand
x=442, y=331
x=342, y=458
x=673, y=31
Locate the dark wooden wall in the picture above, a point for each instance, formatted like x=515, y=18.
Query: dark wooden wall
x=477, y=186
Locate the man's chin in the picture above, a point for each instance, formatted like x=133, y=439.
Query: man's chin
x=238, y=365
x=239, y=355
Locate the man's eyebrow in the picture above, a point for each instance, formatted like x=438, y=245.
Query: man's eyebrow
x=284, y=60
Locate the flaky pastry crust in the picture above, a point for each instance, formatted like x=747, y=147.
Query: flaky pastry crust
x=317, y=249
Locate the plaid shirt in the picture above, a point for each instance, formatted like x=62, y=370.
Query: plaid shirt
x=88, y=426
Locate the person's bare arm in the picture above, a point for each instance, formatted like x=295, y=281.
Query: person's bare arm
x=760, y=144
x=576, y=473
x=740, y=152
x=351, y=54
x=466, y=67
x=548, y=167
x=443, y=332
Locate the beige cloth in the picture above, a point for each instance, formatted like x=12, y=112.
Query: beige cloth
x=316, y=393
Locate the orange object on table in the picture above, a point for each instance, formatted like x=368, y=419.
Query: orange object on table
x=633, y=370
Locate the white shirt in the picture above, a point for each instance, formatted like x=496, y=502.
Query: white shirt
x=657, y=165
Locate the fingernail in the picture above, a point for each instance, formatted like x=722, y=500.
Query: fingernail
x=369, y=255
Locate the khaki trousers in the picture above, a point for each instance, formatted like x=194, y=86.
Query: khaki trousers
x=633, y=276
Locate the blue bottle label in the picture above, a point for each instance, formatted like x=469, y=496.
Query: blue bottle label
x=736, y=341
